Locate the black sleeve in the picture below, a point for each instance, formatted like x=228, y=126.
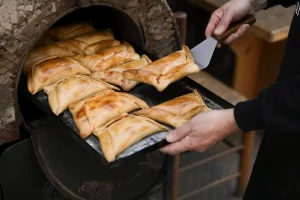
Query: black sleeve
x=276, y=108
x=284, y=3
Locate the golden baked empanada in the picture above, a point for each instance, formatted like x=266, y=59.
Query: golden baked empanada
x=124, y=131
x=97, y=36
x=99, y=46
x=176, y=112
x=98, y=109
x=50, y=71
x=45, y=52
x=165, y=71
x=108, y=58
x=71, y=90
x=114, y=75
x=78, y=44
x=70, y=30
x=65, y=48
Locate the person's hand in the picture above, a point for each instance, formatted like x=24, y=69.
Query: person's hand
x=201, y=132
x=229, y=12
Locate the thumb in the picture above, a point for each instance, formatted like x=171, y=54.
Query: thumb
x=179, y=133
x=224, y=23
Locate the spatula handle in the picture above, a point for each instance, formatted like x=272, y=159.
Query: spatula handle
x=234, y=26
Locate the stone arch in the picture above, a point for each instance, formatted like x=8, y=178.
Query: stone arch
x=22, y=22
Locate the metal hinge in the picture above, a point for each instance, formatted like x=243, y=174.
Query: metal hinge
x=84, y=3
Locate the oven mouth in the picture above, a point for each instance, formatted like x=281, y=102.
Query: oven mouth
x=103, y=16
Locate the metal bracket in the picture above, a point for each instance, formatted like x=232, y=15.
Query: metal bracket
x=84, y=3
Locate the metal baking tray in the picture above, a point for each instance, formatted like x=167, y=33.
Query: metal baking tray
x=149, y=94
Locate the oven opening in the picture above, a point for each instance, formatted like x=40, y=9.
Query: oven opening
x=101, y=17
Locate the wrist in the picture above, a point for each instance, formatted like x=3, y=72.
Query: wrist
x=258, y=5
x=231, y=124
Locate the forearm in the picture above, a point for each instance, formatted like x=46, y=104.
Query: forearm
x=258, y=4
x=275, y=109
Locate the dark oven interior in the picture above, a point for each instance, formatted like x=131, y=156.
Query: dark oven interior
x=124, y=28
x=69, y=162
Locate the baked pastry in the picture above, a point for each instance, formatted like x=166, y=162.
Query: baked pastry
x=78, y=44
x=108, y=58
x=71, y=90
x=99, y=46
x=65, y=48
x=67, y=31
x=166, y=70
x=97, y=36
x=50, y=71
x=98, y=109
x=124, y=131
x=176, y=112
x=114, y=75
x=45, y=52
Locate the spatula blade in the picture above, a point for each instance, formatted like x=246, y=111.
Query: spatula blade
x=203, y=52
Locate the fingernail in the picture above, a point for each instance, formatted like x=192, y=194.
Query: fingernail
x=218, y=30
x=169, y=137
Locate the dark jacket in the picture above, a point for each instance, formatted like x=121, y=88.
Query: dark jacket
x=277, y=108
x=276, y=172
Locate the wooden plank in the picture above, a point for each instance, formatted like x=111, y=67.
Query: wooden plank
x=217, y=87
x=272, y=25
x=245, y=162
x=211, y=158
x=208, y=186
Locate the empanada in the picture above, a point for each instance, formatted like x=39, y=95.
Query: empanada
x=114, y=75
x=65, y=48
x=71, y=90
x=99, y=46
x=124, y=131
x=78, y=44
x=70, y=30
x=97, y=36
x=176, y=112
x=166, y=70
x=50, y=71
x=45, y=52
x=98, y=109
x=108, y=58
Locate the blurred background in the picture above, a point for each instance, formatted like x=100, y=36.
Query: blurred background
x=237, y=72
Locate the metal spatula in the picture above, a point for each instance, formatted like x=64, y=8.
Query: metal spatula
x=203, y=52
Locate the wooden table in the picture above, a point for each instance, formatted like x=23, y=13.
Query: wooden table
x=258, y=58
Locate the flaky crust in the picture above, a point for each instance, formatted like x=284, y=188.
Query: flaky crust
x=98, y=109
x=177, y=111
x=99, y=46
x=114, y=75
x=50, y=71
x=67, y=31
x=108, y=58
x=124, y=131
x=163, y=72
x=71, y=90
x=65, y=48
x=45, y=52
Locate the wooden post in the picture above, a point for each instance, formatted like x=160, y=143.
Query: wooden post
x=181, y=18
x=245, y=162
